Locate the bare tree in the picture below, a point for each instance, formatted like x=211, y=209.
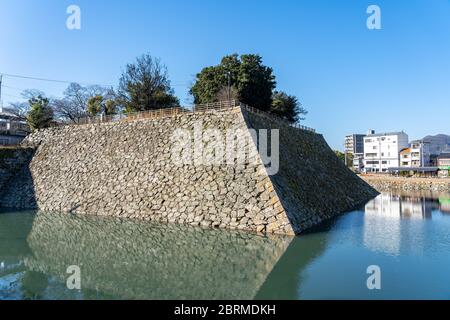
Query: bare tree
x=21, y=109
x=75, y=101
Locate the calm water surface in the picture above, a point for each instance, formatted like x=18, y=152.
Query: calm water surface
x=407, y=236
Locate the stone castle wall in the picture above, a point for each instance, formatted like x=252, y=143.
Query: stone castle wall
x=12, y=160
x=384, y=183
x=313, y=184
x=16, y=186
x=129, y=170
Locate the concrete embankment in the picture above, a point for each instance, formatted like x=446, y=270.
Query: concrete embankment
x=128, y=169
x=384, y=183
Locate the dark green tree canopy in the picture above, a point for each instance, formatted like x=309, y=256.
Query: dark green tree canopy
x=287, y=107
x=145, y=85
x=252, y=82
x=95, y=105
x=41, y=114
x=247, y=79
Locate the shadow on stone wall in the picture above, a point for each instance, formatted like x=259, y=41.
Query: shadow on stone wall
x=143, y=260
x=16, y=181
x=312, y=183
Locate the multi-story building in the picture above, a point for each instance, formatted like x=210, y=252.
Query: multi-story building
x=354, y=146
x=405, y=158
x=382, y=150
x=443, y=162
x=422, y=153
x=354, y=143
x=12, y=129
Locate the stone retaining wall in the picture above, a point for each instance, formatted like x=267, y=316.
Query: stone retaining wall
x=16, y=186
x=12, y=160
x=312, y=183
x=386, y=183
x=128, y=170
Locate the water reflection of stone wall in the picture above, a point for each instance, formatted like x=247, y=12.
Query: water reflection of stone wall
x=141, y=260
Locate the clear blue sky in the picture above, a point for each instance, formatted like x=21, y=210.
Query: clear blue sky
x=348, y=77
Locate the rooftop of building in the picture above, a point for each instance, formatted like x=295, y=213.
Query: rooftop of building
x=7, y=113
x=444, y=156
x=386, y=134
x=405, y=150
x=355, y=134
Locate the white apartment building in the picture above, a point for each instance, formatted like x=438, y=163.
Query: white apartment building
x=416, y=155
x=382, y=150
x=12, y=129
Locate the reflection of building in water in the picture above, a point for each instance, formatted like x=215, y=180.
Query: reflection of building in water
x=444, y=204
x=406, y=207
x=383, y=227
x=382, y=234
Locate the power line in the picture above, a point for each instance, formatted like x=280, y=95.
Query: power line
x=51, y=80
x=175, y=84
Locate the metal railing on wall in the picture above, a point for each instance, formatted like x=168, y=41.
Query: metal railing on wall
x=171, y=112
x=277, y=118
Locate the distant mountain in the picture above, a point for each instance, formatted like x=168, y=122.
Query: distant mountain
x=439, y=143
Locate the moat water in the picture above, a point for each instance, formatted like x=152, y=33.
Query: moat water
x=407, y=236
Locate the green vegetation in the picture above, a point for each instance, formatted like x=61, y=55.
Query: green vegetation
x=247, y=79
x=41, y=114
x=145, y=85
x=251, y=81
x=287, y=107
x=340, y=155
x=95, y=105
